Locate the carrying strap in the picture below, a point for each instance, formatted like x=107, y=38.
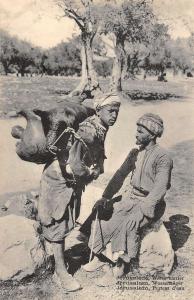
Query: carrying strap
x=72, y=132
x=76, y=136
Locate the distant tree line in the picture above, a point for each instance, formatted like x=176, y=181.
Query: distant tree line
x=141, y=45
x=140, y=40
x=22, y=58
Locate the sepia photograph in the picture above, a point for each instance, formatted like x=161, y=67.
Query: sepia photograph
x=96, y=149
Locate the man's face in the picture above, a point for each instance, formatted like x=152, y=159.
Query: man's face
x=143, y=136
x=108, y=114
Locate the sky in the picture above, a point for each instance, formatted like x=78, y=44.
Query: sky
x=38, y=21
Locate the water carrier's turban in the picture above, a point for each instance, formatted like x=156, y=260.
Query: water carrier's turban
x=153, y=123
x=107, y=99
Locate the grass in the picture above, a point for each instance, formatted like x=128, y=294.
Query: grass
x=44, y=92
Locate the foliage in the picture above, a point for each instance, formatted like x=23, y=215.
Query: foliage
x=139, y=41
x=84, y=12
x=181, y=55
x=7, y=50
x=128, y=20
x=24, y=57
x=64, y=59
x=17, y=55
x=103, y=67
x=21, y=57
x=157, y=56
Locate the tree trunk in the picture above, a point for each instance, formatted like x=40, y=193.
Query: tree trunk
x=22, y=73
x=89, y=82
x=118, y=64
x=6, y=67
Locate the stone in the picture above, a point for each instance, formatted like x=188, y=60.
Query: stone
x=22, y=252
x=12, y=114
x=156, y=253
x=23, y=204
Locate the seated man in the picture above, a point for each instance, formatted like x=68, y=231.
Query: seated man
x=143, y=202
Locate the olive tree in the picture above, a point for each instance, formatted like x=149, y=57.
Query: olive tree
x=127, y=21
x=85, y=13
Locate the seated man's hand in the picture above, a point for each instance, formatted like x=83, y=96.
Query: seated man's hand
x=104, y=207
x=101, y=202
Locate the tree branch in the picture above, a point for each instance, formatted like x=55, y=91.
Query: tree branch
x=72, y=15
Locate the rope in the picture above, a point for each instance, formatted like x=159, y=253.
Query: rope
x=72, y=132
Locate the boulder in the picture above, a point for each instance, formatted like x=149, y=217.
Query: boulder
x=12, y=114
x=22, y=204
x=156, y=253
x=21, y=249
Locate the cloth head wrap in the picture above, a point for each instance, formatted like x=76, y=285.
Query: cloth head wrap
x=153, y=123
x=107, y=99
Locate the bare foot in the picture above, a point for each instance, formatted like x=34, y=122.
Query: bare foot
x=108, y=279
x=93, y=265
x=118, y=271
x=66, y=281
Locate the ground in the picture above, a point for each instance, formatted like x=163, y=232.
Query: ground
x=18, y=176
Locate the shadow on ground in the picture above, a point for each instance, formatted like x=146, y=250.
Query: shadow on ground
x=77, y=256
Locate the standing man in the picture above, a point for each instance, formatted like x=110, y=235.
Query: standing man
x=142, y=202
x=65, y=177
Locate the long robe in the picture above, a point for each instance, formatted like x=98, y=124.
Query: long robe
x=60, y=192
x=149, y=174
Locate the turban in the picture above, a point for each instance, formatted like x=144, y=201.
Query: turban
x=153, y=123
x=107, y=99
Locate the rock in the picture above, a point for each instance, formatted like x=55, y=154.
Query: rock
x=12, y=114
x=21, y=250
x=156, y=253
x=24, y=204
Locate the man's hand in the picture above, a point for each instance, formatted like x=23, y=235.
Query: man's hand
x=104, y=207
x=101, y=202
x=135, y=220
x=54, y=149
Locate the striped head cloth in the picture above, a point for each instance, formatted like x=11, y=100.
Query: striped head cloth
x=153, y=123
